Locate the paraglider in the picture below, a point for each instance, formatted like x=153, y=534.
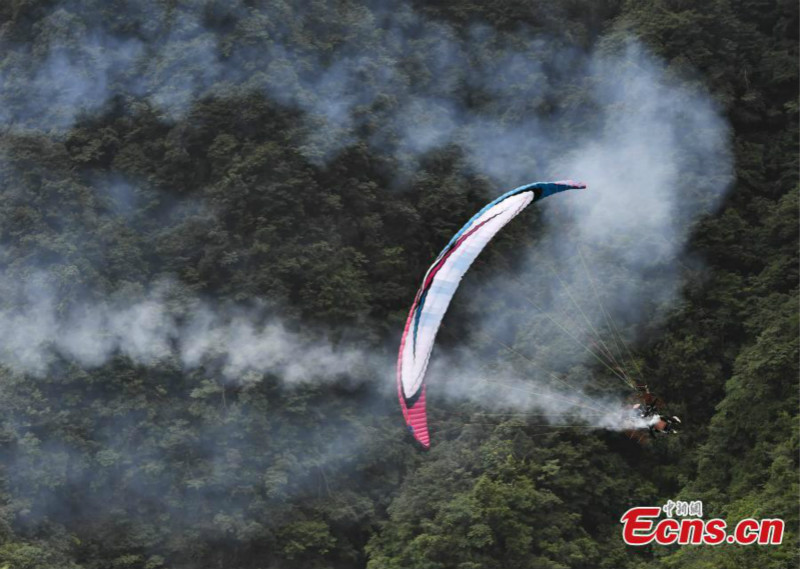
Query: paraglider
x=647, y=407
x=440, y=284
x=665, y=425
x=646, y=403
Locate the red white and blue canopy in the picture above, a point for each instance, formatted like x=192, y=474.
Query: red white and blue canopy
x=440, y=284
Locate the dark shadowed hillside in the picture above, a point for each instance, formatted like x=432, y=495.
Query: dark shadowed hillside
x=213, y=220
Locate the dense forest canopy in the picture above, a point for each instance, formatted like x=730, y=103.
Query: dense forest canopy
x=214, y=217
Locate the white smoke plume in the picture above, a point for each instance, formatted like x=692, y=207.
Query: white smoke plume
x=605, y=263
x=152, y=327
x=603, y=266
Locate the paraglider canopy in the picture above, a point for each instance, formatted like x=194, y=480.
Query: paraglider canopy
x=440, y=284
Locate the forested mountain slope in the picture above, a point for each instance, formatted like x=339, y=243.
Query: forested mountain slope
x=213, y=219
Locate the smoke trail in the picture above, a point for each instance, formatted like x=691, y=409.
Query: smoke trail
x=604, y=266
x=401, y=83
x=653, y=151
x=242, y=344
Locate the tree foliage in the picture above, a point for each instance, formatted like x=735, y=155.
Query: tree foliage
x=144, y=467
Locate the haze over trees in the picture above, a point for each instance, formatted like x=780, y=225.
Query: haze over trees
x=214, y=217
